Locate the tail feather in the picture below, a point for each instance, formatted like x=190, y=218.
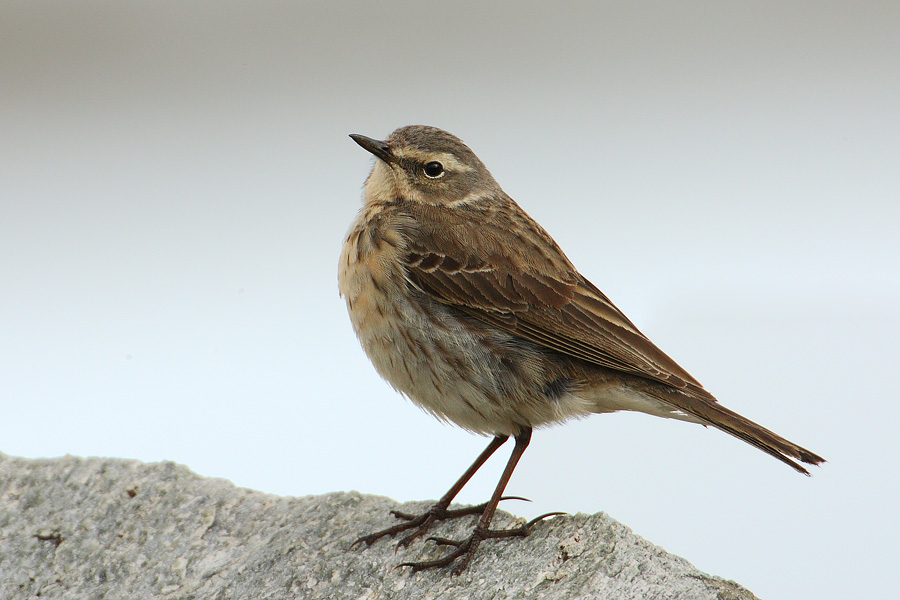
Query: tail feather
x=703, y=406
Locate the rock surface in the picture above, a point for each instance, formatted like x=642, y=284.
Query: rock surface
x=107, y=528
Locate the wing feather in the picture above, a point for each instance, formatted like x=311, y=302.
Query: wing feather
x=537, y=294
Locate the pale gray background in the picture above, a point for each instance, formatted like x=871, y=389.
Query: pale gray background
x=176, y=179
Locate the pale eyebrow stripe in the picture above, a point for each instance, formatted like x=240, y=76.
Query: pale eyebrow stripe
x=449, y=161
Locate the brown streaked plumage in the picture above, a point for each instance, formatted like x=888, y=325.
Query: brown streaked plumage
x=468, y=307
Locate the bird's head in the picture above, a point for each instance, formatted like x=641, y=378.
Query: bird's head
x=425, y=164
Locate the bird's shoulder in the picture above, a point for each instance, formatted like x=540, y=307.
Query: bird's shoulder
x=488, y=243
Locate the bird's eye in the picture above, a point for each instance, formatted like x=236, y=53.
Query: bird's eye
x=434, y=169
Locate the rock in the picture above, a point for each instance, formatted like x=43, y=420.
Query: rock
x=107, y=528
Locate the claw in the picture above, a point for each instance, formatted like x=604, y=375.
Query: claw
x=367, y=539
x=536, y=520
x=514, y=498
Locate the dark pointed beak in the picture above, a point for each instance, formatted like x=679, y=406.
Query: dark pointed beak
x=376, y=147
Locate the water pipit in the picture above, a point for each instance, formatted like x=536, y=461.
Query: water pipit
x=468, y=307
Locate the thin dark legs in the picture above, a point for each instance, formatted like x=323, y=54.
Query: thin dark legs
x=439, y=511
x=463, y=549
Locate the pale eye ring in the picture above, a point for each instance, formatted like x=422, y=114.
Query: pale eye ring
x=433, y=169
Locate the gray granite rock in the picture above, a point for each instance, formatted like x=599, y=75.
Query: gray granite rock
x=107, y=528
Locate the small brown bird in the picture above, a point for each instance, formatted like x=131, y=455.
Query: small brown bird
x=467, y=306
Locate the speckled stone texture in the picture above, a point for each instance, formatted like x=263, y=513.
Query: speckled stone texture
x=107, y=528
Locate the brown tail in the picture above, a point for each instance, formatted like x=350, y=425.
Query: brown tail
x=702, y=405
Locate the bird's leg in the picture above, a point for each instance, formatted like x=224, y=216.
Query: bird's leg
x=439, y=512
x=465, y=549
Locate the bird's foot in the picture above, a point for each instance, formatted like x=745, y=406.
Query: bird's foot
x=419, y=524
x=465, y=549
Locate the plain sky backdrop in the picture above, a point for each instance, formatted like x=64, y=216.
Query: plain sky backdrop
x=176, y=180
